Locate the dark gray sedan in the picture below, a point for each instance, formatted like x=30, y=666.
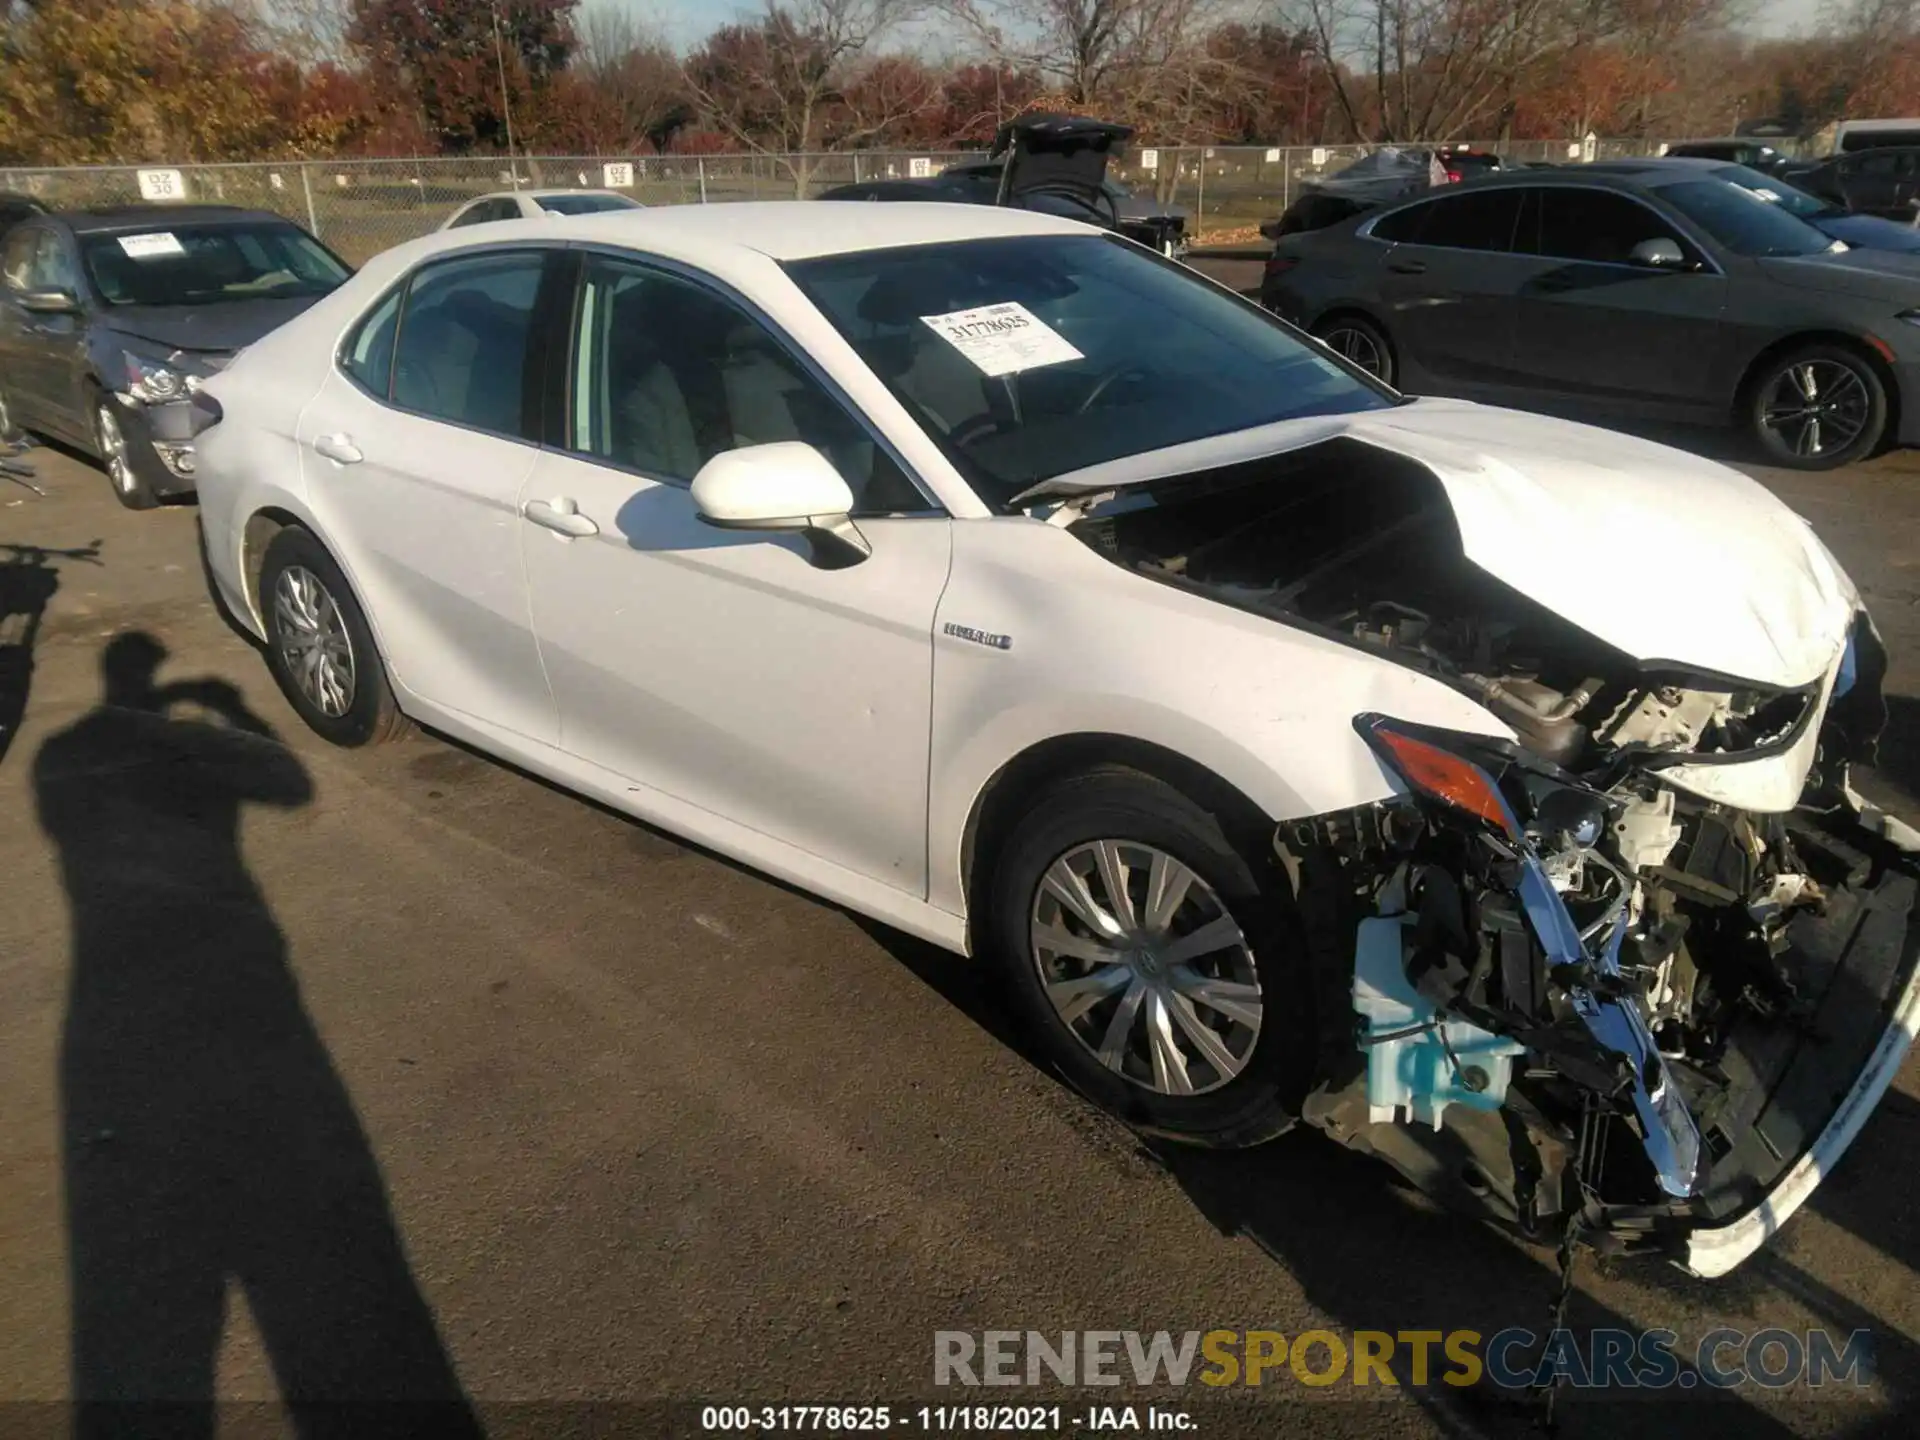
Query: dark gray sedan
x=1674, y=296
x=109, y=320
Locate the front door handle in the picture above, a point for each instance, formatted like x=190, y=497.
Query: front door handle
x=1407, y=267
x=339, y=448
x=561, y=516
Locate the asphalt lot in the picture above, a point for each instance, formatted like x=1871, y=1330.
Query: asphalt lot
x=409, y=1076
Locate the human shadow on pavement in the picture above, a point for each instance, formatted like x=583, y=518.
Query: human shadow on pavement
x=28, y=580
x=208, y=1141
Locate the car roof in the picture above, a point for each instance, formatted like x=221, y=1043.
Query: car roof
x=1595, y=175
x=1660, y=165
x=1761, y=141
x=540, y=194
x=142, y=217
x=799, y=229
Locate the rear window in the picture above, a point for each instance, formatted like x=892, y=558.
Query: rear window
x=585, y=204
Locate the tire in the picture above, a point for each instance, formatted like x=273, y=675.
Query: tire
x=309, y=611
x=1778, y=412
x=114, y=447
x=1137, y=814
x=1359, y=341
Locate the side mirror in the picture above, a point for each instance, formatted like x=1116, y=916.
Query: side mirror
x=1662, y=254
x=50, y=302
x=785, y=486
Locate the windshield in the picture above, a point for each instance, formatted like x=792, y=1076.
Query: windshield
x=201, y=264
x=1795, y=202
x=585, y=204
x=1744, y=221
x=1029, y=357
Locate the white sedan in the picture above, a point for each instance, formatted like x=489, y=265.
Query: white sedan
x=536, y=205
x=1469, y=784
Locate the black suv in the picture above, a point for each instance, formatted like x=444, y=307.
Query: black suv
x=109, y=320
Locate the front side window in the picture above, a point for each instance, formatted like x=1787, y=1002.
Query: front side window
x=207, y=264
x=667, y=374
x=1595, y=226
x=1026, y=358
x=465, y=329
x=1745, y=222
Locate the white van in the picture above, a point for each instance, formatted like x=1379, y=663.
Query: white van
x=1852, y=135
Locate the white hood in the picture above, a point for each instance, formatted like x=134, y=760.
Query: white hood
x=1661, y=554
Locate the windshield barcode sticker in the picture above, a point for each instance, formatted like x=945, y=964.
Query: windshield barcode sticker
x=1002, y=339
x=143, y=247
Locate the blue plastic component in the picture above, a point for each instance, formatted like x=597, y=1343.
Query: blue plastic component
x=1415, y=1074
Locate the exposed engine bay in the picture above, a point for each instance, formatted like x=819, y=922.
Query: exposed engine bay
x=1559, y=986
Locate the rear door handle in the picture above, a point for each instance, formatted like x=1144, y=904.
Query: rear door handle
x=338, y=448
x=1407, y=267
x=561, y=516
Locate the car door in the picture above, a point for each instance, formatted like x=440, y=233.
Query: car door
x=45, y=353
x=1593, y=325
x=414, y=452
x=1448, y=288
x=61, y=349
x=16, y=333
x=722, y=667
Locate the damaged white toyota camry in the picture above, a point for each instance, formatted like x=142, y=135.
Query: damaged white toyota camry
x=1470, y=785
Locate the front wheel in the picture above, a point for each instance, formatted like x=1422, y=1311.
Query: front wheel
x=320, y=646
x=1156, y=968
x=1816, y=407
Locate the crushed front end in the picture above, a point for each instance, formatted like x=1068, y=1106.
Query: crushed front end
x=1583, y=994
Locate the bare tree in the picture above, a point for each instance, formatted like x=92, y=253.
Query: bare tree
x=633, y=74
x=805, y=78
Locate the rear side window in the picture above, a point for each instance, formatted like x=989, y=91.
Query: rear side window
x=1476, y=220
x=466, y=327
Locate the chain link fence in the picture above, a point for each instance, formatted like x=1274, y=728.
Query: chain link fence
x=361, y=207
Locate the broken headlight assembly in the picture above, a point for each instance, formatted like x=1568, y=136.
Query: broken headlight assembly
x=1490, y=938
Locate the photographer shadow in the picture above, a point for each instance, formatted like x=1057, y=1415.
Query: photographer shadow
x=208, y=1141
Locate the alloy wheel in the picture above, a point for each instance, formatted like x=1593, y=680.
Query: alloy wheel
x=1816, y=407
x=1359, y=347
x=1146, y=966
x=111, y=441
x=313, y=641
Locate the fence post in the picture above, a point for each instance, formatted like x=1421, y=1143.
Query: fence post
x=856, y=167
x=1200, y=197
x=701, y=165
x=313, y=220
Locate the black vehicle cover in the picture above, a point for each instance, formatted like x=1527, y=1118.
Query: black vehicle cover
x=1057, y=154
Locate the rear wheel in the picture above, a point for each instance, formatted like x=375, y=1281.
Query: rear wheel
x=1360, y=341
x=320, y=647
x=1816, y=407
x=1155, y=968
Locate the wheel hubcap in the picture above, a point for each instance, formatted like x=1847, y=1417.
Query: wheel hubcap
x=313, y=640
x=1359, y=347
x=1144, y=964
x=113, y=449
x=1817, y=407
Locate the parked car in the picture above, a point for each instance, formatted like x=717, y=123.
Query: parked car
x=1055, y=164
x=1673, y=295
x=111, y=318
x=1882, y=181
x=1868, y=232
x=1463, y=162
x=1850, y=136
x=1738, y=150
x=1379, y=178
x=1273, y=737
x=532, y=204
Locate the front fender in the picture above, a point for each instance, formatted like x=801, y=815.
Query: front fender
x=1092, y=649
